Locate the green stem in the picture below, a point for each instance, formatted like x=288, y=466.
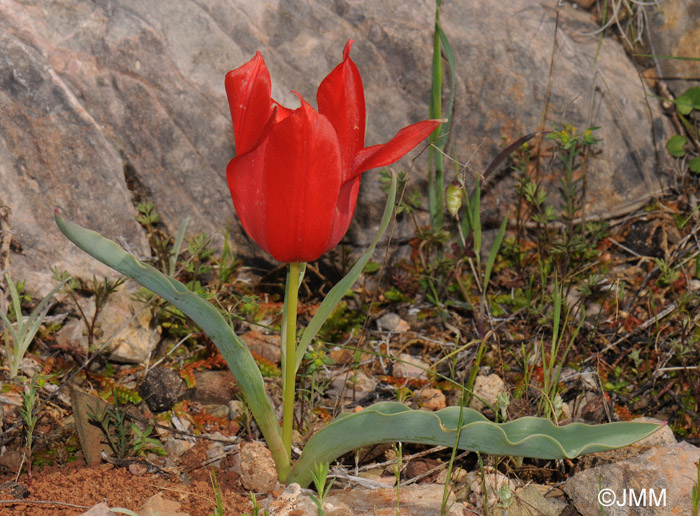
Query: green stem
x=290, y=357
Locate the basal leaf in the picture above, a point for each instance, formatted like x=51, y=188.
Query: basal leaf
x=525, y=437
x=234, y=351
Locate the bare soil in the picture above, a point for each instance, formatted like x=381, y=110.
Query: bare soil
x=54, y=489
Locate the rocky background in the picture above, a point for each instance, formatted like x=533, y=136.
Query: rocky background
x=107, y=103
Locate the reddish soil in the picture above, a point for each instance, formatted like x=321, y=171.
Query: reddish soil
x=117, y=487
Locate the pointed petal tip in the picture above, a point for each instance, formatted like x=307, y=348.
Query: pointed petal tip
x=346, y=50
x=256, y=59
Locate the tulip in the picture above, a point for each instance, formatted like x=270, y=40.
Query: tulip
x=296, y=174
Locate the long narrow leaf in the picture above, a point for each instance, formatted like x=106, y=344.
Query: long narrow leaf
x=233, y=349
x=23, y=335
x=16, y=303
x=436, y=178
x=338, y=291
x=494, y=252
x=447, y=127
x=525, y=437
x=175, y=251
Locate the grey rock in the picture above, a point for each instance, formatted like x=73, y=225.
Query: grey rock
x=486, y=391
x=670, y=471
x=213, y=388
x=158, y=505
x=162, y=388
x=221, y=411
x=675, y=31
x=101, y=509
x=392, y=322
x=258, y=471
x=408, y=366
x=269, y=346
x=124, y=322
x=529, y=501
x=107, y=104
x=414, y=500
x=351, y=385
x=176, y=447
x=236, y=408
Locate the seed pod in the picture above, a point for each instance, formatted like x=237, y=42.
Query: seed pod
x=453, y=198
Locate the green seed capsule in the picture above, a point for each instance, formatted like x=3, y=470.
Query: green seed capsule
x=453, y=198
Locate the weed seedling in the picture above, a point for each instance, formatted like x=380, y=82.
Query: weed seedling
x=319, y=477
x=126, y=440
x=219, y=509
x=101, y=290
x=19, y=336
x=29, y=418
x=398, y=450
x=255, y=511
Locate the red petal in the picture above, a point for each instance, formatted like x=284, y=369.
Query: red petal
x=345, y=209
x=393, y=150
x=301, y=184
x=248, y=91
x=244, y=175
x=341, y=98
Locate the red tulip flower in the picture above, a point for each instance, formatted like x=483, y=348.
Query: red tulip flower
x=296, y=174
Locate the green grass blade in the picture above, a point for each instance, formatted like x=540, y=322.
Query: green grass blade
x=446, y=127
x=16, y=303
x=338, y=291
x=436, y=173
x=233, y=349
x=525, y=437
x=494, y=252
x=175, y=252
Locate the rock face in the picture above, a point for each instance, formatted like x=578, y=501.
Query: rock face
x=670, y=471
x=675, y=31
x=106, y=104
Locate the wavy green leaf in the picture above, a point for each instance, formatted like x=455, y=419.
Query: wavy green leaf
x=207, y=317
x=525, y=437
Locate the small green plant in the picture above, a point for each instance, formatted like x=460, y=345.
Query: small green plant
x=398, y=451
x=101, y=290
x=219, y=509
x=147, y=215
x=255, y=511
x=126, y=440
x=317, y=360
x=552, y=364
x=29, y=418
x=444, y=507
x=142, y=442
x=320, y=476
x=505, y=496
x=113, y=422
x=667, y=273
x=438, y=139
x=19, y=336
x=687, y=110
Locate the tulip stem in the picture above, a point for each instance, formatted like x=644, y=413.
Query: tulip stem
x=288, y=389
